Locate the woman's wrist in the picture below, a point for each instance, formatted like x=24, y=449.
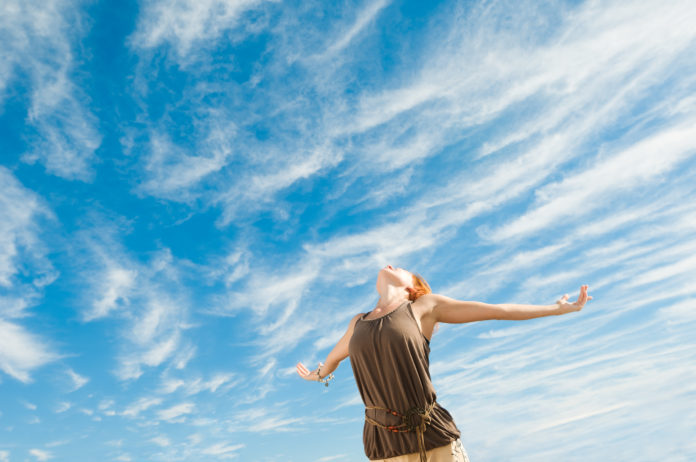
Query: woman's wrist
x=565, y=308
x=326, y=378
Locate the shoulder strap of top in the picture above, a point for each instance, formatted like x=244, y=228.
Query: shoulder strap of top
x=413, y=317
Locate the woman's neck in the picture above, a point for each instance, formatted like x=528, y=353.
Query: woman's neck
x=389, y=301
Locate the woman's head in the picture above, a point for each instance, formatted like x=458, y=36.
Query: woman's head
x=390, y=278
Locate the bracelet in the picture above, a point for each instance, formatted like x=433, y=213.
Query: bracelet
x=324, y=380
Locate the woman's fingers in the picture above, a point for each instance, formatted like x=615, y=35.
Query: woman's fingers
x=302, y=370
x=583, y=297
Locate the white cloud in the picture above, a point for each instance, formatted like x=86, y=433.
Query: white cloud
x=62, y=407
x=106, y=404
x=4, y=456
x=78, y=380
x=21, y=249
x=40, y=454
x=141, y=405
x=562, y=381
x=175, y=413
x=38, y=44
x=474, y=57
x=171, y=385
x=116, y=287
x=222, y=449
x=685, y=266
x=680, y=312
x=265, y=290
x=20, y=212
x=364, y=18
x=276, y=172
x=21, y=352
x=148, y=296
x=183, y=356
x=193, y=386
x=172, y=172
x=475, y=75
x=56, y=443
x=162, y=441
x=30, y=406
x=578, y=195
x=188, y=23
x=262, y=419
x=470, y=76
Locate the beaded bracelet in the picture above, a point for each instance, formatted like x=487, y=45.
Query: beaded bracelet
x=325, y=380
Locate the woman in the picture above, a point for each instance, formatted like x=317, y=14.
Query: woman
x=388, y=349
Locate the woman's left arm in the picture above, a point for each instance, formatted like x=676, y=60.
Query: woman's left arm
x=445, y=309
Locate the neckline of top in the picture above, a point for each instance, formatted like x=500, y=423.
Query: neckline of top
x=384, y=315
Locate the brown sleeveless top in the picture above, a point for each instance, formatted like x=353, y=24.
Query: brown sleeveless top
x=389, y=357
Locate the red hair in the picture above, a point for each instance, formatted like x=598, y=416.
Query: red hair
x=420, y=287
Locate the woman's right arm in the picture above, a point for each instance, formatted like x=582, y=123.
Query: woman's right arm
x=338, y=354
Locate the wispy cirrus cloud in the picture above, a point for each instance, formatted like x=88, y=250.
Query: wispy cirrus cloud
x=223, y=450
x=22, y=214
x=193, y=386
x=188, y=25
x=162, y=441
x=455, y=93
x=78, y=381
x=263, y=419
x=365, y=16
x=40, y=454
x=572, y=380
x=39, y=44
x=576, y=196
x=177, y=412
x=62, y=407
x=134, y=409
x=144, y=296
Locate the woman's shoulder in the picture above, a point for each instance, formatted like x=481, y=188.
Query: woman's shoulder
x=424, y=304
x=354, y=320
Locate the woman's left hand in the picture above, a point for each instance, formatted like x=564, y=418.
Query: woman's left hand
x=566, y=307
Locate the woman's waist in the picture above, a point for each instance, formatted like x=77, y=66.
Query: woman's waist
x=390, y=414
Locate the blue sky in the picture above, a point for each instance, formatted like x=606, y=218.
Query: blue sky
x=195, y=195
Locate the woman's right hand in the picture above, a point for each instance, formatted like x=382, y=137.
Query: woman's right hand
x=306, y=373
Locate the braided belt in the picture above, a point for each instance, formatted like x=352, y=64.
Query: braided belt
x=414, y=420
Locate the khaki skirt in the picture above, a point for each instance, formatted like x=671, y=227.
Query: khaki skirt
x=453, y=452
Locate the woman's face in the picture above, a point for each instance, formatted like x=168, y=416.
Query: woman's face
x=398, y=277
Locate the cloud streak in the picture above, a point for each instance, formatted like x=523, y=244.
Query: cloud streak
x=39, y=44
x=22, y=214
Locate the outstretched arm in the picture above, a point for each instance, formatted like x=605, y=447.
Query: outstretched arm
x=440, y=308
x=338, y=354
